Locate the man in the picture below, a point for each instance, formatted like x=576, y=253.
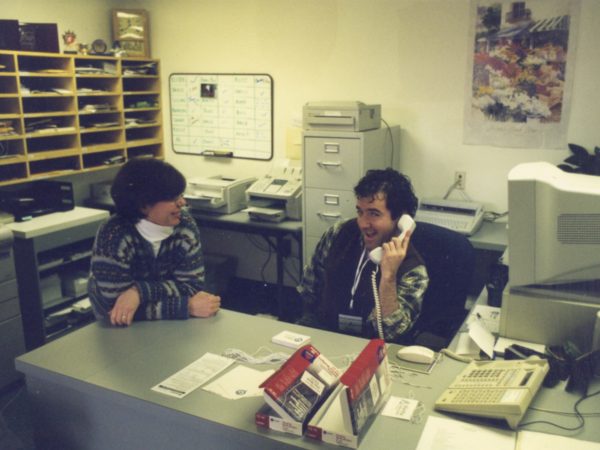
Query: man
x=337, y=290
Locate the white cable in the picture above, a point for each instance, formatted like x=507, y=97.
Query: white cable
x=398, y=373
x=455, y=356
x=242, y=356
x=378, y=318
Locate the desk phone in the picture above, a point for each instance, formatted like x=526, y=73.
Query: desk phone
x=495, y=389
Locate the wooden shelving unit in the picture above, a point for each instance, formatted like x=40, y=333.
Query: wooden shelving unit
x=64, y=114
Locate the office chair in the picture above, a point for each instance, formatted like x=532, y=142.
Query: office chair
x=450, y=261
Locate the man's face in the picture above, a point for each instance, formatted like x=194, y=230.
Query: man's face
x=374, y=220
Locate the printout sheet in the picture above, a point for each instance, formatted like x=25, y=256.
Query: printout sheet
x=191, y=377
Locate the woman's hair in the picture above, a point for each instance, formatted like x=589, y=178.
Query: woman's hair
x=397, y=188
x=143, y=182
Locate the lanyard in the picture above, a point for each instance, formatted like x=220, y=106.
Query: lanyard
x=362, y=262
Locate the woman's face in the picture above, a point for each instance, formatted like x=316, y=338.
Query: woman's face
x=166, y=213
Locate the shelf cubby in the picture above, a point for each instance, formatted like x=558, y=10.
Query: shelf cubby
x=62, y=114
x=101, y=159
x=54, y=166
x=146, y=150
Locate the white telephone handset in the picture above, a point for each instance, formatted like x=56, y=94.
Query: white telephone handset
x=405, y=224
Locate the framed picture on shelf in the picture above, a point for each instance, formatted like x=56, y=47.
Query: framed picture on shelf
x=131, y=30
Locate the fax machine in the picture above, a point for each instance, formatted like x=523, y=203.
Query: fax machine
x=460, y=216
x=276, y=196
x=217, y=193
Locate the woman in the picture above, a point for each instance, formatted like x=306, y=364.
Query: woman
x=147, y=261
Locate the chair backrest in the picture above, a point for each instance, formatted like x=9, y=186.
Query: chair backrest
x=450, y=261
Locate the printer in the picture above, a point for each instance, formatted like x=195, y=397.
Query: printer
x=217, y=193
x=276, y=196
x=341, y=116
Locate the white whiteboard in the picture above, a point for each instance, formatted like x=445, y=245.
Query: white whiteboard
x=222, y=114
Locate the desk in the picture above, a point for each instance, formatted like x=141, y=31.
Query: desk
x=91, y=388
x=240, y=222
x=491, y=236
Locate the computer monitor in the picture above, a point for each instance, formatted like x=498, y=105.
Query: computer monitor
x=553, y=255
x=553, y=227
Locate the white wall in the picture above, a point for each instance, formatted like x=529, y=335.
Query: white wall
x=408, y=55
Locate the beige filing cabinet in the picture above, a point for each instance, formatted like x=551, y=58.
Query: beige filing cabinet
x=12, y=343
x=334, y=161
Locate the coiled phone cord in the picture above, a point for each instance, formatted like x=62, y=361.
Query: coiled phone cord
x=378, y=318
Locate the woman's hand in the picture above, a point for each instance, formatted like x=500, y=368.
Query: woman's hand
x=125, y=307
x=204, y=304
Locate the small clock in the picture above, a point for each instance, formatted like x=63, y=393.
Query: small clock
x=99, y=46
x=130, y=30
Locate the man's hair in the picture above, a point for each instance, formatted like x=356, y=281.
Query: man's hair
x=144, y=182
x=396, y=187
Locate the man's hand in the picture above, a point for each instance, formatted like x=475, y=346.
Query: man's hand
x=125, y=307
x=394, y=254
x=204, y=304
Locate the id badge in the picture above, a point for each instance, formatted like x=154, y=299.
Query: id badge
x=350, y=324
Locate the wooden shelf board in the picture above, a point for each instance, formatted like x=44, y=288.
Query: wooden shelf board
x=99, y=94
x=52, y=154
x=17, y=159
x=154, y=108
x=142, y=142
x=97, y=75
x=141, y=92
x=89, y=113
x=65, y=74
x=14, y=181
x=99, y=129
x=48, y=114
x=38, y=135
x=99, y=148
x=11, y=137
x=52, y=174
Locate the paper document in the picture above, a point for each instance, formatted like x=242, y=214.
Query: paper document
x=466, y=346
x=239, y=382
x=489, y=315
x=530, y=440
x=447, y=434
x=400, y=408
x=191, y=377
x=482, y=337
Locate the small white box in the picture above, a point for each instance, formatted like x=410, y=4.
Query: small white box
x=74, y=284
x=289, y=339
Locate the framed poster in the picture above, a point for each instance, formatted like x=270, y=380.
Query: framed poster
x=520, y=74
x=222, y=115
x=130, y=30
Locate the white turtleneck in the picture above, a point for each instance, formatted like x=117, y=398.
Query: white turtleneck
x=153, y=233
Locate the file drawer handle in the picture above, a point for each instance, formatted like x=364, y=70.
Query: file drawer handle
x=328, y=164
x=329, y=215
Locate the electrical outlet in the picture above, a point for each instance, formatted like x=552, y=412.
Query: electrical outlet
x=460, y=180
